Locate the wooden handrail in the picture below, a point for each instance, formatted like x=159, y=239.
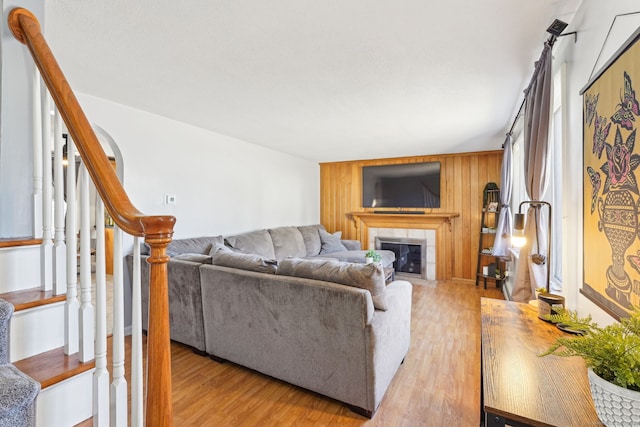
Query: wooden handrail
x=156, y=230
x=26, y=28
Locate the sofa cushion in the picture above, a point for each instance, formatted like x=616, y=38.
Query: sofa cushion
x=351, y=245
x=311, y=238
x=287, y=242
x=331, y=242
x=255, y=242
x=203, y=259
x=194, y=245
x=358, y=256
x=364, y=276
x=251, y=262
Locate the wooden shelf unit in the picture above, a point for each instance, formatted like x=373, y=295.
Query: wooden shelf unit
x=488, y=224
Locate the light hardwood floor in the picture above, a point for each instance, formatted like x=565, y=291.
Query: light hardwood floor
x=438, y=384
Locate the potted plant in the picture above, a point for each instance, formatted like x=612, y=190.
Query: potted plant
x=612, y=356
x=372, y=256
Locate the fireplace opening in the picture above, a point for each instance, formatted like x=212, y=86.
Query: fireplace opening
x=410, y=254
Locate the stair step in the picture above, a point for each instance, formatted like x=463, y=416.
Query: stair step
x=53, y=366
x=30, y=298
x=20, y=260
x=11, y=242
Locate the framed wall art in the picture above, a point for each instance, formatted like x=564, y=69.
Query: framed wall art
x=611, y=199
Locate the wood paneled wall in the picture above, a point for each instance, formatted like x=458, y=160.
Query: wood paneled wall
x=463, y=177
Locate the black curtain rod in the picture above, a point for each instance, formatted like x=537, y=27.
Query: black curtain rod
x=550, y=41
x=517, y=116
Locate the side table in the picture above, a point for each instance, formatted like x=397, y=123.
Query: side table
x=518, y=387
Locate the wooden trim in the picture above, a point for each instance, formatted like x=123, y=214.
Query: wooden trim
x=30, y=298
x=157, y=230
x=12, y=242
x=53, y=366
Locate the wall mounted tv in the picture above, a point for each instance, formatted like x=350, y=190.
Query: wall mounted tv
x=407, y=185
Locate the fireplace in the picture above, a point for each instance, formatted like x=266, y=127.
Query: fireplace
x=411, y=254
x=435, y=228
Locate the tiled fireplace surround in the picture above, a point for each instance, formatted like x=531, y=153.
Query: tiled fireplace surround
x=429, y=258
x=436, y=228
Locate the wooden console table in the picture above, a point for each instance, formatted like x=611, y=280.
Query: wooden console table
x=518, y=387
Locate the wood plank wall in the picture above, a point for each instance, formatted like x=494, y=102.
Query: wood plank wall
x=463, y=177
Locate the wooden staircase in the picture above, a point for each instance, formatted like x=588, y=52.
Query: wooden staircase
x=58, y=331
x=64, y=379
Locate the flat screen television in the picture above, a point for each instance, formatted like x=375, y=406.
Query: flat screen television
x=407, y=185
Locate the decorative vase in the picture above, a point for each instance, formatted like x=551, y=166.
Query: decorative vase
x=619, y=222
x=615, y=406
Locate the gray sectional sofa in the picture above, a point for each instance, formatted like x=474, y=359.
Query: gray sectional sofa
x=295, y=303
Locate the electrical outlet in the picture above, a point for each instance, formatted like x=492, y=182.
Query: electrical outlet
x=169, y=199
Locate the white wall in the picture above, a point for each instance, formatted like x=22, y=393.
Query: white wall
x=222, y=185
x=16, y=148
x=592, y=22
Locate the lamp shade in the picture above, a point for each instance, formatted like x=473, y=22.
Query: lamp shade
x=518, y=221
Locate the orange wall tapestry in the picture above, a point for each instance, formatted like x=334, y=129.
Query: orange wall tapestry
x=611, y=191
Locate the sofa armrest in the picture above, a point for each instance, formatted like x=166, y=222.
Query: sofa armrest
x=351, y=245
x=391, y=332
x=185, y=299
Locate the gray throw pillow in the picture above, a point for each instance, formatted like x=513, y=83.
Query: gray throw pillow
x=311, y=238
x=364, y=276
x=242, y=261
x=331, y=242
x=255, y=242
x=287, y=242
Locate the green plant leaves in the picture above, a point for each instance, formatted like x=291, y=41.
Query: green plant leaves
x=613, y=352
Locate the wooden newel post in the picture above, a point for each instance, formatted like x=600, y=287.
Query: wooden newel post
x=159, y=408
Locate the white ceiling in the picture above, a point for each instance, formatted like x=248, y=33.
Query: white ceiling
x=325, y=80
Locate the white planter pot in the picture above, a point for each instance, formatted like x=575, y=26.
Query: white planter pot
x=615, y=406
x=368, y=260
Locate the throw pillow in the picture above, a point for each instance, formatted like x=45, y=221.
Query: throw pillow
x=255, y=242
x=331, y=242
x=242, y=261
x=311, y=238
x=364, y=276
x=287, y=242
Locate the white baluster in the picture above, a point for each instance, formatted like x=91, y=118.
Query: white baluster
x=60, y=247
x=86, y=307
x=137, y=400
x=72, y=306
x=46, y=249
x=101, y=375
x=37, y=156
x=119, y=385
